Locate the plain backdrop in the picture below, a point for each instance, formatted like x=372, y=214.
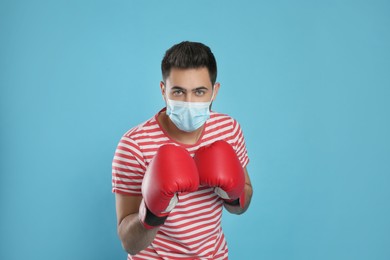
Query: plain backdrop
x=309, y=82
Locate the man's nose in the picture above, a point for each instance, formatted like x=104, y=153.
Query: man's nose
x=188, y=97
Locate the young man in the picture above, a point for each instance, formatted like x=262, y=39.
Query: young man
x=173, y=174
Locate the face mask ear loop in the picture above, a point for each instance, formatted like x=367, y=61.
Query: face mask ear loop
x=211, y=100
x=212, y=96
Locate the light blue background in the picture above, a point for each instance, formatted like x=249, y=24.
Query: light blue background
x=308, y=81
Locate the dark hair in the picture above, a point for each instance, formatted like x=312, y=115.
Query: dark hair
x=189, y=55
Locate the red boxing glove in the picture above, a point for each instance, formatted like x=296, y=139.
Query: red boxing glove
x=219, y=167
x=172, y=170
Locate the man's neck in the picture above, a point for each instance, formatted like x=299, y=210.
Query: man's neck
x=177, y=134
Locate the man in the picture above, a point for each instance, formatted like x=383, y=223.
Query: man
x=173, y=174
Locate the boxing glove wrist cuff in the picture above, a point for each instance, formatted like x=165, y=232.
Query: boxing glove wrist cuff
x=235, y=202
x=148, y=219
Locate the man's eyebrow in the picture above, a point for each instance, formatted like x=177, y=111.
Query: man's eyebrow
x=178, y=88
x=200, y=88
x=183, y=89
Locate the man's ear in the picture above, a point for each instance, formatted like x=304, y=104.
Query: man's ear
x=217, y=85
x=163, y=89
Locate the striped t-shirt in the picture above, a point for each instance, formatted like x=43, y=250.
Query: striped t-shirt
x=193, y=228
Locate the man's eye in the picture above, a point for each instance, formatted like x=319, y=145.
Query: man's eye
x=178, y=92
x=199, y=92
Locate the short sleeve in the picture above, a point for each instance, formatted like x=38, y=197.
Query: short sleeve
x=239, y=146
x=128, y=168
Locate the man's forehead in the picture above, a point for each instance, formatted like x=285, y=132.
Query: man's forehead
x=189, y=78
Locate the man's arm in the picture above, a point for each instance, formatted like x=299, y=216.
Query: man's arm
x=132, y=233
x=248, y=196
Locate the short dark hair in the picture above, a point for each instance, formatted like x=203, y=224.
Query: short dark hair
x=189, y=55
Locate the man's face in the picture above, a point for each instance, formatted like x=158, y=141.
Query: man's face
x=190, y=85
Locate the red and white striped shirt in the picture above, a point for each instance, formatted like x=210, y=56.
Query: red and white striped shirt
x=193, y=228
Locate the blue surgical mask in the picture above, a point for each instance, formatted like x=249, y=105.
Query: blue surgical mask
x=188, y=116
